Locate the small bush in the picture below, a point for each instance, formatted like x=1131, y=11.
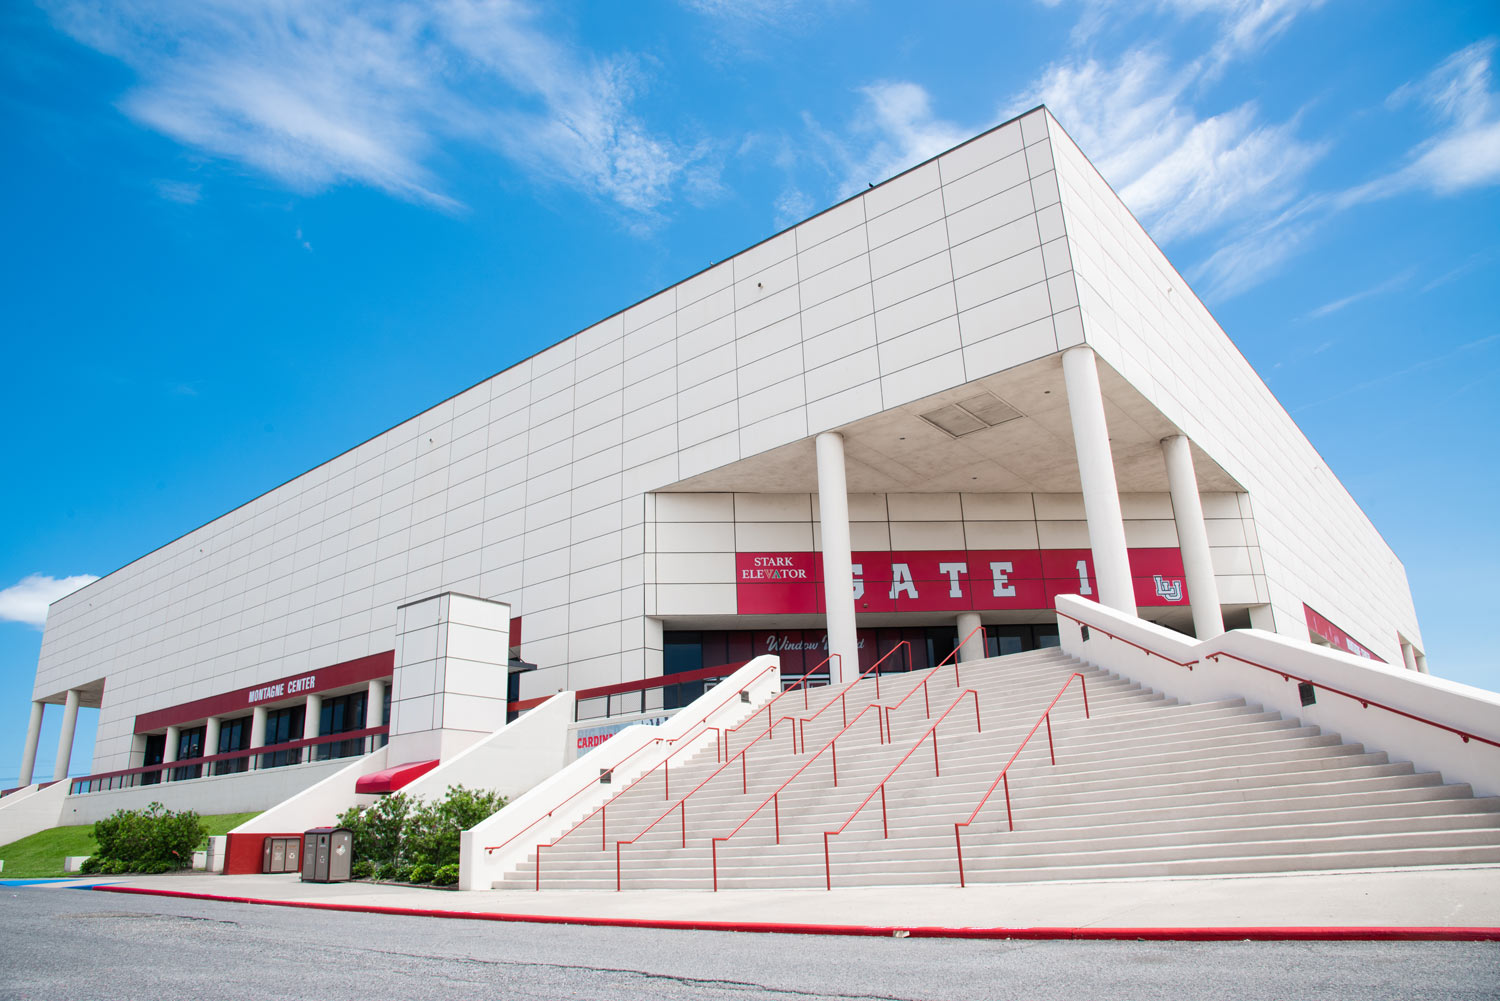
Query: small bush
x=420, y=873
x=403, y=872
x=114, y=867
x=156, y=868
x=92, y=864
x=385, y=870
x=399, y=830
x=446, y=876
x=363, y=869
x=138, y=838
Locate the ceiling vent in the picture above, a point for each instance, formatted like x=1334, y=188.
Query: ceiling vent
x=974, y=414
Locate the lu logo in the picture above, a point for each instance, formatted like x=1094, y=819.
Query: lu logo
x=1168, y=589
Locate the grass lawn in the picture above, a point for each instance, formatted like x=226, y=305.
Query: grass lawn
x=42, y=854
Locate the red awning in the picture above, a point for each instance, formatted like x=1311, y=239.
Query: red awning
x=393, y=778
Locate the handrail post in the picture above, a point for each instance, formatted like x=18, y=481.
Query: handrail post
x=977, y=727
x=744, y=775
x=827, y=868
x=1051, y=748
x=835, y=747
x=539, y=868
x=885, y=824
x=603, y=823
x=715, y=848
x=617, y=867
x=1009, y=817
x=776, y=805
x=936, y=768
x=1083, y=683
x=958, y=843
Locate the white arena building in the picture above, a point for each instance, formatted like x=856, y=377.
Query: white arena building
x=939, y=404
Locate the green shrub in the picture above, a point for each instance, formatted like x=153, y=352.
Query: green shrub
x=114, y=867
x=399, y=830
x=403, y=872
x=433, y=831
x=446, y=876
x=138, y=838
x=363, y=869
x=376, y=830
x=420, y=873
x=92, y=864
x=385, y=870
x=156, y=868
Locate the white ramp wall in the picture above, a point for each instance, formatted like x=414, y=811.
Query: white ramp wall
x=29, y=811
x=510, y=761
x=572, y=793
x=1153, y=655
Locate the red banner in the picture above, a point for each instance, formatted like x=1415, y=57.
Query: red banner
x=949, y=580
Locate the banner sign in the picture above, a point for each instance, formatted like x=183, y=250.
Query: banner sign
x=591, y=737
x=950, y=580
x=1336, y=637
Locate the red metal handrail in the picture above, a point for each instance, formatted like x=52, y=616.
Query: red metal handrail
x=1366, y=703
x=1465, y=735
x=926, y=698
x=799, y=683
x=249, y=752
x=880, y=788
x=593, y=782
x=1146, y=650
x=1005, y=772
x=602, y=808
x=775, y=797
x=842, y=697
x=681, y=804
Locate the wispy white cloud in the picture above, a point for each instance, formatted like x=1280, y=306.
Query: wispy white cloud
x=1181, y=173
x=893, y=128
x=1465, y=153
x=343, y=92
x=27, y=600
x=1380, y=288
x=181, y=192
x=1243, y=26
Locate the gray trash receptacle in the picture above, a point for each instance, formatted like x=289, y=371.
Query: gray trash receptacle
x=326, y=854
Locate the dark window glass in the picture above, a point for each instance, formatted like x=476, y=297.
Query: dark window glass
x=341, y=715
x=283, y=725
x=234, y=735
x=156, y=747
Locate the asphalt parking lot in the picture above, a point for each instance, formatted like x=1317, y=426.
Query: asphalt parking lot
x=78, y=944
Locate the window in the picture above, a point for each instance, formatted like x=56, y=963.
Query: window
x=234, y=735
x=189, y=745
x=341, y=715
x=283, y=725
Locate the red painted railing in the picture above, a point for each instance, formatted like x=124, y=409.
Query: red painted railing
x=1366, y=703
x=937, y=772
x=775, y=798
x=594, y=782
x=926, y=697
x=842, y=697
x=1004, y=775
x=126, y=778
x=1465, y=735
x=680, y=807
x=800, y=683
x=1120, y=639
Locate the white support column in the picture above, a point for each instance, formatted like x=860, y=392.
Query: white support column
x=838, y=573
x=65, y=738
x=258, y=727
x=1192, y=538
x=312, y=715
x=374, y=704
x=1096, y=470
x=1422, y=662
x=169, y=750
x=975, y=648
x=1408, y=655
x=211, y=736
x=33, y=735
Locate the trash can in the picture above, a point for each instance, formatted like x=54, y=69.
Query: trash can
x=326, y=854
x=281, y=854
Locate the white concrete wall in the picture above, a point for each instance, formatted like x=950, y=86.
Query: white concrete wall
x=320, y=803
x=511, y=760
x=528, y=486
x=238, y=793
x=1139, y=314
x=1429, y=748
x=27, y=811
x=551, y=807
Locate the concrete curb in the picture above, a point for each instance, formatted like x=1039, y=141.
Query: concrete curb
x=1220, y=934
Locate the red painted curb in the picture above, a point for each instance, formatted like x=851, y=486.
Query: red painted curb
x=1261, y=934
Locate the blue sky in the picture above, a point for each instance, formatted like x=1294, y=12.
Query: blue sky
x=245, y=236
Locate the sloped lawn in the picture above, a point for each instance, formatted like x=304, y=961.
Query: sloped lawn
x=41, y=855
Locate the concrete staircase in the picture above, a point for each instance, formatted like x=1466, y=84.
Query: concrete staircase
x=1146, y=787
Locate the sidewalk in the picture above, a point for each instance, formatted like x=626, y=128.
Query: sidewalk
x=1402, y=903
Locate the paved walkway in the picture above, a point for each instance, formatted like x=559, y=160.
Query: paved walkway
x=1442, y=898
